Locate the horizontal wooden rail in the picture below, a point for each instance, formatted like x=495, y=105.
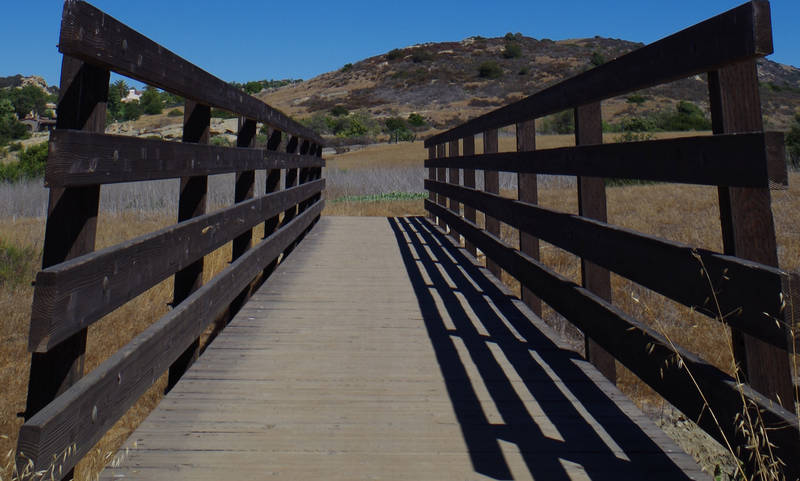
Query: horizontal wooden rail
x=739, y=34
x=97, y=38
x=84, y=158
x=679, y=376
x=748, y=293
x=68, y=427
x=742, y=160
x=74, y=294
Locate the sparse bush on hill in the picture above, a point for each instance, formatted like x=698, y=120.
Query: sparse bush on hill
x=597, y=59
x=220, y=141
x=346, y=67
x=512, y=50
x=175, y=113
x=687, y=116
x=339, y=110
x=222, y=114
x=560, y=123
x=416, y=120
x=490, y=70
x=636, y=99
x=151, y=101
x=394, y=54
x=421, y=55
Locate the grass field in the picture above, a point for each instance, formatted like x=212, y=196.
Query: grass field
x=358, y=182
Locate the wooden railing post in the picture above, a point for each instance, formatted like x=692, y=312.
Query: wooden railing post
x=305, y=173
x=441, y=176
x=191, y=203
x=491, y=184
x=592, y=204
x=454, y=179
x=70, y=230
x=273, y=184
x=527, y=191
x=245, y=183
x=468, y=147
x=748, y=230
x=431, y=176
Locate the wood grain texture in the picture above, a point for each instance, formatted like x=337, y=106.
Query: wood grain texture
x=739, y=34
x=97, y=38
x=468, y=146
x=744, y=160
x=308, y=382
x=745, y=290
x=454, y=177
x=80, y=158
x=491, y=184
x=647, y=353
x=748, y=228
x=527, y=191
x=82, y=415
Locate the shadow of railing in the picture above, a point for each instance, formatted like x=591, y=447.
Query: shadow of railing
x=548, y=399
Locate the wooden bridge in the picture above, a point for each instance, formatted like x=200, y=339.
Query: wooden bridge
x=373, y=348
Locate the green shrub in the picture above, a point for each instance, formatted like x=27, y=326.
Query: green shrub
x=597, y=59
x=416, y=120
x=512, y=50
x=421, y=55
x=222, y=114
x=395, y=123
x=687, y=116
x=490, y=70
x=30, y=165
x=394, y=54
x=636, y=99
x=151, y=101
x=339, y=110
x=560, y=123
x=174, y=113
x=220, y=141
x=524, y=71
x=131, y=110
x=347, y=67
x=15, y=146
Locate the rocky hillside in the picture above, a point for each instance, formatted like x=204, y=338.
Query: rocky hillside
x=453, y=81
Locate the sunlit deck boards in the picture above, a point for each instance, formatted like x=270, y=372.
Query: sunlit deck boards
x=373, y=355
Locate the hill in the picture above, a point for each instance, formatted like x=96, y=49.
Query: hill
x=445, y=83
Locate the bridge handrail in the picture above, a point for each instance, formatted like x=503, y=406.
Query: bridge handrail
x=742, y=287
x=67, y=412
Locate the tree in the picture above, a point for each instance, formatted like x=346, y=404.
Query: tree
x=116, y=92
x=512, y=50
x=10, y=127
x=597, y=59
x=151, y=101
x=490, y=70
x=131, y=110
x=793, y=142
x=29, y=98
x=416, y=120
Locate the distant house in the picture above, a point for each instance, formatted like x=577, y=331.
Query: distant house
x=133, y=94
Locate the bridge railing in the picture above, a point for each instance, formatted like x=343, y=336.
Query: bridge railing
x=741, y=287
x=67, y=412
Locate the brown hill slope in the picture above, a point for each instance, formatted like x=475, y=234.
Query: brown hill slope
x=442, y=81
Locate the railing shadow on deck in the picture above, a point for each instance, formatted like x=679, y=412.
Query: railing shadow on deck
x=536, y=360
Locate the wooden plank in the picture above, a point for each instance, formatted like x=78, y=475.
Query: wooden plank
x=76, y=420
x=454, y=178
x=273, y=184
x=527, y=191
x=191, y=203
x=80, y=158
x=647, y=353
x=468, y=144
x=491, y=184
x=748, y=228
x=747, y=292
x=90, y=35
x=739, y=34
x=69, y=232
x=592, y=204
x=72, y=295
x=744, y=160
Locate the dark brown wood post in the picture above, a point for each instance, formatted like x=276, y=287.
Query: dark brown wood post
x=491, y=183
x=592, y=204
x=273, y=184
x=291, y=179
x=441, y=176
x=468, y=146
x=527, y=191
x=454, y=179
x=748, y=229
x=70, y=229
x=191, y=203
x=305, y=173
x=431, y=176
x=245, y=183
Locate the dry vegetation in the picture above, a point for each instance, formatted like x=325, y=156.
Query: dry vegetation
x=684, y=213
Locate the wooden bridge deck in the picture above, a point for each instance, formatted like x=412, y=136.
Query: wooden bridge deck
x=380, y=351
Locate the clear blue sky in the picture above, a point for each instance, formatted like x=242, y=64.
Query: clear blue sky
x=237, y=40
